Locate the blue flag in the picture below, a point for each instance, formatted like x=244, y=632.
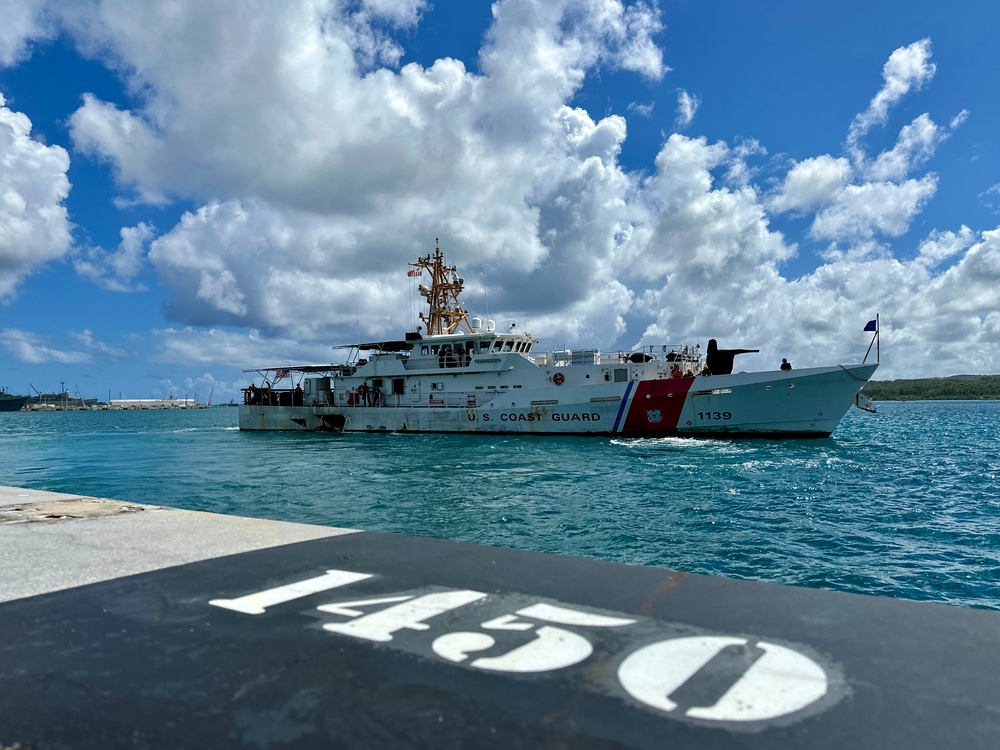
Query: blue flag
x=871, y=326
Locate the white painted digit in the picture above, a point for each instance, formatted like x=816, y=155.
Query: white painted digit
x=456, y=647
x=653, y=672
x=507, y=622
x=379, y=626
x=351, y=609
x=780, y=682
x=566, y=616
x=552, y=648
x=257, y=604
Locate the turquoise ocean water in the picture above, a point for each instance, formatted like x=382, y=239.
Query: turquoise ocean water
x=902, y=503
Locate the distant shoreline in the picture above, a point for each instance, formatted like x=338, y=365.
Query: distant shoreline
x=953, y=388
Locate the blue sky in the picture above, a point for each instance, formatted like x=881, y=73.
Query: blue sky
x=189, y=189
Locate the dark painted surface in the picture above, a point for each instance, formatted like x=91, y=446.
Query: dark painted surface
x=147, y=662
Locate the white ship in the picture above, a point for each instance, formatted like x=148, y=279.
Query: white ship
x=461, y=375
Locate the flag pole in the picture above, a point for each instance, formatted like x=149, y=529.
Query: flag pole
x=878, y=352
x=878, y=345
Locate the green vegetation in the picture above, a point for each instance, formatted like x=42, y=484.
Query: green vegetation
x=954, y=388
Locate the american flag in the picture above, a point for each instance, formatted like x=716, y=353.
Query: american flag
x=280, y=374
x=415, y=272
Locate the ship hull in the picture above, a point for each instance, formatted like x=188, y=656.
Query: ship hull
x=802, y=403
x=12, y=403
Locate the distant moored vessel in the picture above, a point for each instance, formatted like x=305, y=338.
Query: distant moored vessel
x=10, y=402
x=462, y=375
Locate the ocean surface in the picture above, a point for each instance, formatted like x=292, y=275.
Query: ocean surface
x=903, y=503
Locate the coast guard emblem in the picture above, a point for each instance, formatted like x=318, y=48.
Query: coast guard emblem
x=654, y=416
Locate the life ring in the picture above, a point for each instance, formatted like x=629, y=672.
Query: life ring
x=558, y=378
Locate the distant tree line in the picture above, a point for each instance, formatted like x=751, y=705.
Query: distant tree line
x=955, y=388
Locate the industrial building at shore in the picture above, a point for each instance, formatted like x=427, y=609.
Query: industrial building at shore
x=89, y=404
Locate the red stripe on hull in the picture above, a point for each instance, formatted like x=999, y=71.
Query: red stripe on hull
x=656, y=406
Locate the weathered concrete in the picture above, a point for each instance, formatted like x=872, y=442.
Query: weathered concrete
x=51, y=541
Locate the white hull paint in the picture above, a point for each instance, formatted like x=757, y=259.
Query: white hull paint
x=808, y=403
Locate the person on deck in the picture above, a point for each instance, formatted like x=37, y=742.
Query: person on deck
x=785, y=364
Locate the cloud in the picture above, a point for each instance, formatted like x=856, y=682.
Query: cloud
x=294, y=119
x=859, y=201
x=24, y=21
x=34, y=227
x=28, y=347
x=908, y=68
x=86, y=337
x=991, y=198
x=301, y=160
x=687, y=108
x=203, y=389
x=643, y=110
x=939, y=246
x=529, y=197
x=860, y=212
x=220, y=347
x=916, y=144
x=812, y=182
x=116, y=271
x=318, y=166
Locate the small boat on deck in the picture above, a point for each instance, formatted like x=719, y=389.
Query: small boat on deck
x=462, y=375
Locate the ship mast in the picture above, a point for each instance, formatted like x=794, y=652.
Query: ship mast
x=445, y=315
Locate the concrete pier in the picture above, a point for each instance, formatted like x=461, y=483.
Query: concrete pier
x=125, y=625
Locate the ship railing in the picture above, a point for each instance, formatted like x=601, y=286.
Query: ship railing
x=679, y=353
x=265, y=396
x=427, y=400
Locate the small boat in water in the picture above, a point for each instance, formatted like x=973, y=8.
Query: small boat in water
x=462, y=375
x=10, y=402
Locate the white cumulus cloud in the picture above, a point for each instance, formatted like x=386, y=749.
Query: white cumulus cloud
x=116, y=271
x=316, y=165
x=34, y=226
x=21, y=23
x=25, y=346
